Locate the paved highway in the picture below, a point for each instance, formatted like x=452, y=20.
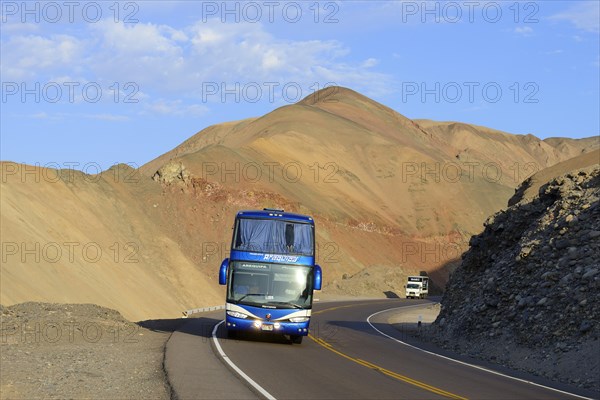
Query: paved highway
x=346, y=357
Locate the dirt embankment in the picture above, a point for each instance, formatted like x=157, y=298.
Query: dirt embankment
x=78, y=351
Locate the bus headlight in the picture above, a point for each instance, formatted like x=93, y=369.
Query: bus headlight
x=299, y=319
x=236, y=314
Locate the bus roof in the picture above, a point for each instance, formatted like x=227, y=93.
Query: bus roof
x=272, y=214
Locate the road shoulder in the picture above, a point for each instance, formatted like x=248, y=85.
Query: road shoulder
x=404, y=326
x=194, y=370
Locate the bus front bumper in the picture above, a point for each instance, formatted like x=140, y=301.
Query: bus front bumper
x=256, y=325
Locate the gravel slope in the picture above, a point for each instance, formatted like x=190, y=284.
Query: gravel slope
x=78, y=351
x=527, y=293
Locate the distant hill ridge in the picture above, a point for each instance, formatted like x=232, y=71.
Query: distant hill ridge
x=387, y=193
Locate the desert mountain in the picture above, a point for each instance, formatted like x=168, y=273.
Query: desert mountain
x=390, y=196
x=352, y=160
x=74, y=238
x=387, y=191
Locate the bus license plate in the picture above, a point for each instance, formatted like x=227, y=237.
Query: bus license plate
x=267, y=327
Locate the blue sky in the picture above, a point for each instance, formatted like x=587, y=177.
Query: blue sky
x=96, y=83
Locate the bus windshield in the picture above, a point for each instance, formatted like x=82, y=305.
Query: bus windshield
x=270, y=285
x=273, y=236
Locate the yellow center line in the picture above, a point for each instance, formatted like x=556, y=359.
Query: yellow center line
x=385, y=371
x=348, y=305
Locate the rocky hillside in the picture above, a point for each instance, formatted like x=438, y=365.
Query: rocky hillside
x=527, y=292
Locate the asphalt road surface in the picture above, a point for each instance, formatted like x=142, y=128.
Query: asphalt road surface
x=345, y=357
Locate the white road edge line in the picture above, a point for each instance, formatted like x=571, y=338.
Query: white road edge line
x=462, y=362
x=241, y=373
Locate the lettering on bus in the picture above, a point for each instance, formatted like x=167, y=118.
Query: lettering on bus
x=280, y=258
x=254, y=266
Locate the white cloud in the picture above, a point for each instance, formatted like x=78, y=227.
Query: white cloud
x=107, y=117
x=175, y=34
x=585, y=15
x=206, y=37
x=370, y=62
x=25, y=56
x=168, y=63
x=138, y=40
x=224, y=53
x=177, y=108
x=19, y=27
x=63, y=116
x=524, y=30
x=271, y=60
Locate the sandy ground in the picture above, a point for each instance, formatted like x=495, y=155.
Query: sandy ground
x=58, y=351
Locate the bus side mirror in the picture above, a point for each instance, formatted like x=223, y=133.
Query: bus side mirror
x=223, y=272
x=318, y=277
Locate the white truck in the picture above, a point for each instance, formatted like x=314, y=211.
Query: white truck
x=417, y=287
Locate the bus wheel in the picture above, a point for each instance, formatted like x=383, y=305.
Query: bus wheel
x=296, y=339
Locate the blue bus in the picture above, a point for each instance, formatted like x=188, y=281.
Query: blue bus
x=271, y=273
